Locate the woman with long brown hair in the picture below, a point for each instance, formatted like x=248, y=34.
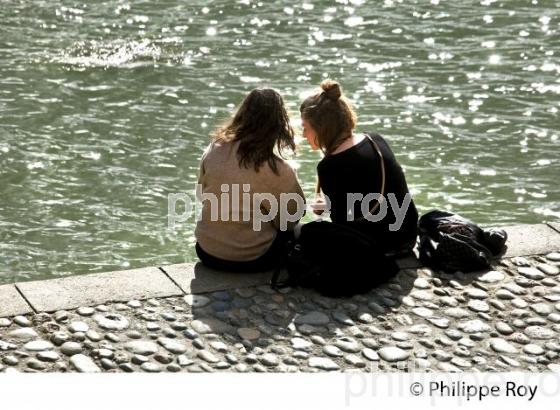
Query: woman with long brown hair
x=246, y=158
x=358, y=165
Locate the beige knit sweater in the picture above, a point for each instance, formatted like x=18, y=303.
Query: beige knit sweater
x=232, y=237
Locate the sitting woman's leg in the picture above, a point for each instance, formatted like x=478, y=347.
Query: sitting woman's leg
x=270, y=260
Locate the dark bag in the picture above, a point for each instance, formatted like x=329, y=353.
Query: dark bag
x=336, y=260
x=451, y=243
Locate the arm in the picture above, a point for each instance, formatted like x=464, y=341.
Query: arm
x=291, y=188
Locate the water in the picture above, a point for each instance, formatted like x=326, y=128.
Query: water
x=106, y=107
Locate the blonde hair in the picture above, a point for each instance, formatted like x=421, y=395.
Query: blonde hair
x=330, y=114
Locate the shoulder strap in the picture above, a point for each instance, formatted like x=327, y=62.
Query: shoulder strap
x=382, y=193
x=382, y=198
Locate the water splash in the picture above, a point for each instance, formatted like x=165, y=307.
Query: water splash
x=121, y=53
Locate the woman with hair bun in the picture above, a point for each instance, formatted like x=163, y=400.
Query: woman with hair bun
x=354, y=166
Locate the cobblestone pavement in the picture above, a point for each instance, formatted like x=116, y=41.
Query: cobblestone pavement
x=500, y=320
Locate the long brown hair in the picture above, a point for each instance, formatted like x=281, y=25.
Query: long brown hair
x=330, y=114
x=259, y=124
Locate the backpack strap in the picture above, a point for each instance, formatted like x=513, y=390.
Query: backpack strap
x=382, y=198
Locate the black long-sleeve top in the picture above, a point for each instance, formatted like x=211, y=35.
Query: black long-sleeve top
x=358, y=170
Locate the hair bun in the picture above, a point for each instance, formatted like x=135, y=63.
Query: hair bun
x=331, y=89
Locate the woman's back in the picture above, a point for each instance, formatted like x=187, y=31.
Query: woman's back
x=229, y=234
x=357, y=170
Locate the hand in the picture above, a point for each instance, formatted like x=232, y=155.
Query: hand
x=318, y=206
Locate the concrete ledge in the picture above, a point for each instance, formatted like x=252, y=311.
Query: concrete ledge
x=197, y=278
x=173, y=280
x=524, y=240
x=94, y=289
x=11, y=302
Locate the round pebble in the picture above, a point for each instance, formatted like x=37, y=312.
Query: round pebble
x=504, y=328
x=138, y=359
x=84, y=364
x=354, y=361
x=504, y=294
x=422, y=312
x=22, y=321
x=322, y=363
x=207, y=356
x=269, y=359
x=112, y=321
x=420, y=329
x=246, y=292
x=134, y=304
x=301, y=344
x=542, y=308
x=548, y=269
x=376, y=307
x=474, y=326
x=456, y=312
x=151, y=367
x=502, y=346
x=25, y=333
x=172, y=346
x=492, y=276
x=93, y=336
x=248, y=333
x=71, y=348
x=36, y=365
x=75, y=327
x=219, y=346
x=141, y=347
x=520, y=261
x=478, y=306
x=393, y=354
x=209, y=325
x=519, y=303
x=422, y=295
x=475, y=293
x=370, y=354
x=48, y=356
x=533, y=349
x=440, y=322
x=164, y=358
x=10, y=360
x=348, y=345
x=86, y=311
x=539, y=332
x=531, y=273
x=312, y=318
x=553, y=256
x=108, y=364
x=332, y=351
x=61, y=316
x=457, y=361
x=184, y=360
x=38, y=345
x=421, y=283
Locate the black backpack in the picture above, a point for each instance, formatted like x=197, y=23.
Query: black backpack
x=336, y=260
x=451, y=243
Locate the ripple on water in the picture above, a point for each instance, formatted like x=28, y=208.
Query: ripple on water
x=121, y=53
x=90, y=148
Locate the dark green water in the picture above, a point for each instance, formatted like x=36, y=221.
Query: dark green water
x=106, y=106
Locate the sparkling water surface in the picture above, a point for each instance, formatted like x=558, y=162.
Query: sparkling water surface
x=106, y=106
